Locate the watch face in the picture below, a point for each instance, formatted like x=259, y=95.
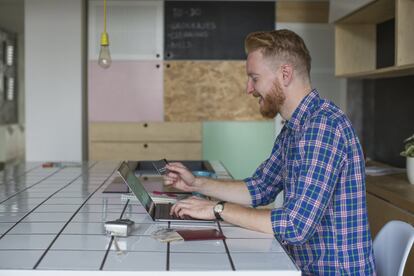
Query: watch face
x=218, y=208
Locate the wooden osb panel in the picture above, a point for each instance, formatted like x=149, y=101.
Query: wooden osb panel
x=208, y=90
x=301, y=11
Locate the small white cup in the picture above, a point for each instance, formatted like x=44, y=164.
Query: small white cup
x=410, y=169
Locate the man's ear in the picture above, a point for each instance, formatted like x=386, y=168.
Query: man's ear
x=287, y=74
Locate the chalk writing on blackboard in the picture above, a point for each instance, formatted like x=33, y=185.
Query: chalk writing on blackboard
x=190, y=26
x=207, y=25
x=183, y=30
x=180, y=44
x=186, y=34
x=189, y=12
x=187, y=31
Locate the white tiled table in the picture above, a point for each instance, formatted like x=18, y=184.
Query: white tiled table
x=52, y=219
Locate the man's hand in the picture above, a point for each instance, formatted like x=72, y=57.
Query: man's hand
x=194, y=207
x=250, y=218
x=180, y=177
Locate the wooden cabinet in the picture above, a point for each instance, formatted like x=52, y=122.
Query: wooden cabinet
x=145, y=141
x=356, y=42
x=390, y=198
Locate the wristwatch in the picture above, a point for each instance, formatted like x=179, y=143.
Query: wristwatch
x=218, y=209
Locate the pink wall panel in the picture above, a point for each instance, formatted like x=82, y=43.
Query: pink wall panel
x=128, y=91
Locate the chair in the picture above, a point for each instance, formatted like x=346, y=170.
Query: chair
x=392, y=246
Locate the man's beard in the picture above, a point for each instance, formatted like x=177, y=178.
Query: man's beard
x=272, y=101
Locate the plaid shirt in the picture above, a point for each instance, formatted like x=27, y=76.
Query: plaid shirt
x=318, y=162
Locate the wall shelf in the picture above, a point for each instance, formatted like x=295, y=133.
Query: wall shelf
x=388, y=72
x=356, y=40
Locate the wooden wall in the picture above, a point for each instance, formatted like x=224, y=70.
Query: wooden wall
x=207, y=90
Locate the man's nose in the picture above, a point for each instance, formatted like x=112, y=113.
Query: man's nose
x=249, y=87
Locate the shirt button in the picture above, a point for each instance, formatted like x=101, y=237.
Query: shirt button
x=284, y=243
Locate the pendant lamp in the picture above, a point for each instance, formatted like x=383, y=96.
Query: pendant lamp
x=104, y=55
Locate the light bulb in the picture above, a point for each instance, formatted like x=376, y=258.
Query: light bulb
x=104, y=57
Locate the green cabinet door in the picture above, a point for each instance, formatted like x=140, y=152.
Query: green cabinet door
x=240, y=146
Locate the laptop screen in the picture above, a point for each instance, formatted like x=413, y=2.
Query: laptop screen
x=135, y=185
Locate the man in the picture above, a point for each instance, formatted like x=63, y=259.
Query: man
x=316, y=160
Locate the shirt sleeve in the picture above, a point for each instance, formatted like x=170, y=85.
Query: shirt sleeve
x=266, y=182
x=321, y=152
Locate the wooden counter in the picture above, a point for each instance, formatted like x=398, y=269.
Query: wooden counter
x=390, y=197
x=394, y=188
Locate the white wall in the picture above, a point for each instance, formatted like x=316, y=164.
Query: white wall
x=54, y=79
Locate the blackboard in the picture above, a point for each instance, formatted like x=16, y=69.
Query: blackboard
x=214, y=29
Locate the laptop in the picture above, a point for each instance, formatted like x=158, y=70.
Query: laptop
x=157, y=211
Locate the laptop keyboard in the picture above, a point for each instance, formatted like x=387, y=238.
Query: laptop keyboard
x=162, y=211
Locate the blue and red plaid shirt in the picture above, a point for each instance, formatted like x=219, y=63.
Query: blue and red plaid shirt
x=318, y=162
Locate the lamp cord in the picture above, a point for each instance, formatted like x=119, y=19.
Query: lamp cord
x=105, y=16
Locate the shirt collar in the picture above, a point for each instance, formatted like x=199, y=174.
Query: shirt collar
x=302, y=111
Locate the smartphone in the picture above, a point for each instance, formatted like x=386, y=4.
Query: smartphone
x=160, y=166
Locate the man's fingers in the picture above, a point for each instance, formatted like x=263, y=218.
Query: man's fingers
x=182, y=204
x=183, y=212
x=177, y=164
x=173, y=209
x=169, y=182
x=171, y=175
x=176, y=168
x=169, y=178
